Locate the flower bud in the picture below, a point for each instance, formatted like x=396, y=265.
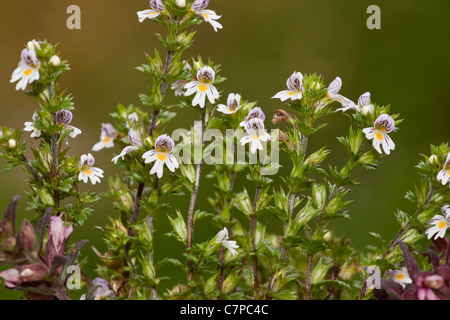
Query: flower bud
x=5, y=228
x=12, y=143
x=180, y=3
x=434, y=281
x=26, y=236
x=11, y=277
x=367, y=109
x=55, y=61
x=277, y=281
x=259, y=235
x=127, y=200
x=32, y=272
x=432, y=160
x=9, y=244
x=230, y=282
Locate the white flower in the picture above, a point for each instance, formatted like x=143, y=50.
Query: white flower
x=136, y=142
x=208, y=15
x=87, y=171
x=444, y=174
x=382, y=126
x=233, y=104
x=256, y=112
x=63, y=118
x=333, y=94
x=12, y=143
x=295, y=88
x=439, y=224
x=27, y=70
x=34, y=45
x=256, y=134
x=29, y=126
x=401, y=276
x=222, y=237
x=365, y=104
x=161, y=155
x=157, y=7
x=202, y=87
x=107, y=136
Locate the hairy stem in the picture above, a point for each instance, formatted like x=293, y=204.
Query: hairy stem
x=193, y=200
x=309, y=260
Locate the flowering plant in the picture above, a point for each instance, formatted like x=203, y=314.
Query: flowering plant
x=244, y=258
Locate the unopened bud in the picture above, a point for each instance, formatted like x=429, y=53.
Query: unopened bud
x=55, y=61
x=9, y=244
x=127, y=200
x=26, y=236
x=5, y=228
x=367, y=109
x=434, y=281
x=12, y=143
x=432, y=160
x=11, y=277
x=180, y=3
x=32, y=272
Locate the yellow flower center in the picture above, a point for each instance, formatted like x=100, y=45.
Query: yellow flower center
x=161, y=156
x=379, y=136
x=205, y=15
x=28, y=72
x=442, y=224
x=255, y=137
x=106, y=140
x=86, y=170
x=400, y=276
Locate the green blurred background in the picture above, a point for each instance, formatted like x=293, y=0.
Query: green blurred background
x=405, y=64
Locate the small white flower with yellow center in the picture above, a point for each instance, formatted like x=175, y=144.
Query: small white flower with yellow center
x=202, y=87
x=161, y=155
x=233, y=104
x=439, y=224
x=136, y=142
x=27, y=70
x=87, y=171
x=295, y=88
x=444, y=174
x=256, y=133
x=401, y=276
x=383, y=125
x=107, y=136
x=222, y=237
x=199, y=7
x=156, y=8
x=29, y=126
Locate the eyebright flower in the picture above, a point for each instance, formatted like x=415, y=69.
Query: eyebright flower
x=102, y=292
x=161, y=155
x=401, y=276
x=439, y=224
x=107, y=136
x=87, y=171
x=383, y=125
x=333, y=94
x=64, y=117
x=27, y=70
x=29, y=126
x=208, y=15
x=256, y=112
x=256, y=134
x=295, y=86
x=364, y=104
x=233, y=104
x=444, y=174
x=222, y=237
x=136, y=142
x=157, y=7
x=202, y=87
